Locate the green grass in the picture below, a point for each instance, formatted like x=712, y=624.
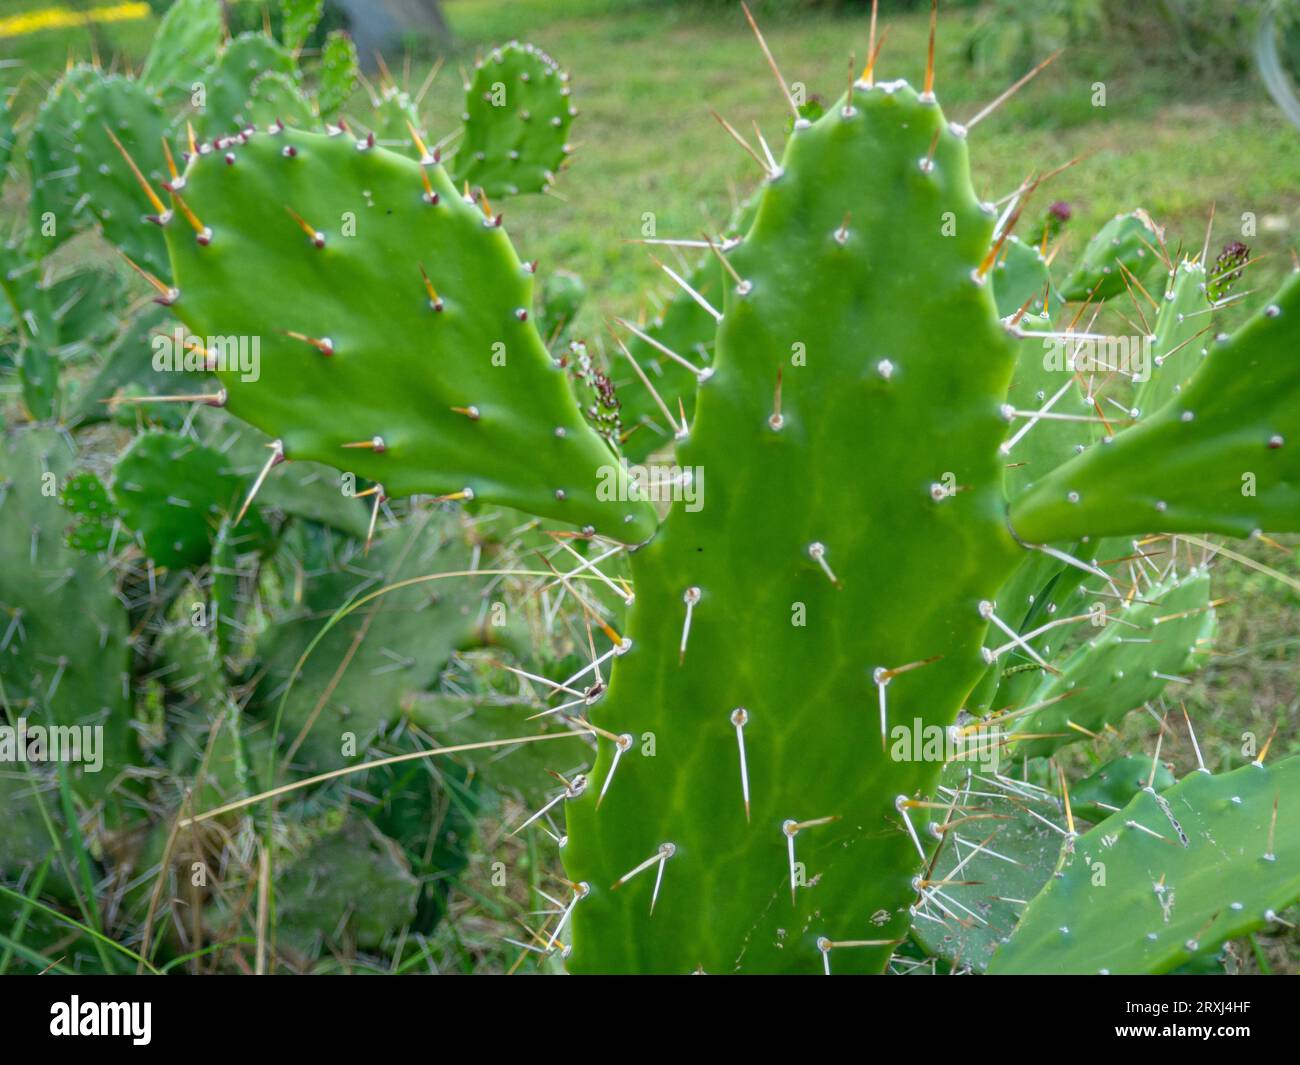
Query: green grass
x=645, y=78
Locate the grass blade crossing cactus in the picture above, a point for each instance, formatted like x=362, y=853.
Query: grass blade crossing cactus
x=355, y=681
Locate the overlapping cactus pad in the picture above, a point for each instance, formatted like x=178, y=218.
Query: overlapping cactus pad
x=1171, y=875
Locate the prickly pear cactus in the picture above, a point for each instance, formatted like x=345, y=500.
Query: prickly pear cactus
x=821, y=610
x=1221, y=455
x=1128, y=662
x=1172, y=875
x=800, y=589
x=1002, y=842
x=338, y=73
x=1112, y=786
x=175, y=493
x=122, y=118
x=353, y=886
x=447, y=390
x=55, y=161
x=64, y=657
x=354, y=683
x=228, y=82
x=92, y=512
x=1123, y=249
x=753, y=806
x=518, y=111
x=186, y=43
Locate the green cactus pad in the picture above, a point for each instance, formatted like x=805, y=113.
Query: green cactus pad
x=87, y=308
x=300, y=18
x=206, y=741
x=420, y=393
x=137, y=120
x=303, y=489
x=35, y=330
x=1223, y=455
x=126, y=366
x=38, y=372
x=772, y=631
x=1176, y=350
x=275, y=97
x=229, y=82
x=1123, y=243
x=55, y=158
x=184, y=46
x=354, y=886
x=563, y=296
x=685, y=328
x=392, y=117
x=516, y=122
x=86, y=499
x=337, y=74
x=1209, y=859
x=175, y=492
x=1127, y=663
x=1113, y=786
x=1044, y=381
x=1020, y=278
x=224, y=590
x=64, y=657
x=996, y=855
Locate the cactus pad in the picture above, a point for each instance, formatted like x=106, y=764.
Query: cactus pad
x=517, y=117
x=1222, y=455
x=1182, y=871
x=814, y=547
x=430, y=377
x=1122, y=246
x=175, y=492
